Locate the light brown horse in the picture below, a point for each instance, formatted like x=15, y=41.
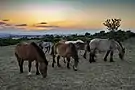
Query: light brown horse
x=31, y=52
x=61, y=49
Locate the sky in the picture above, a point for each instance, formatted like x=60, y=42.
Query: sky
x=37, y=15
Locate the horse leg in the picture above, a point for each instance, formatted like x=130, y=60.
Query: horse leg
x=49, y=49
x=45, y=50
x=90, y=57
x=111, y=56
x=93, y=55
x=105, y=58
x=68, y=59
x=29, y=65
x=75, y=63
x=64, y=60
x=58, y=58
x=53, y=61
x=21, y=65
x=37, y=72
x=84, y=55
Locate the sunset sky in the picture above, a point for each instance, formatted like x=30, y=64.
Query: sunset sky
x=64, y=14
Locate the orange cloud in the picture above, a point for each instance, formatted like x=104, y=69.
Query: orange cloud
x=21, y=25
x=43, y=23
x=5, y=20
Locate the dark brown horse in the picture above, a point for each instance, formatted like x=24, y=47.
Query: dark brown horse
x=61, y=49
x=31, y=52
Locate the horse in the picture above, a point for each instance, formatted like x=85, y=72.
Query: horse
x=60, y=49
x=31, y=52
x=46, y=46
x=105, y=45
x=80, y=45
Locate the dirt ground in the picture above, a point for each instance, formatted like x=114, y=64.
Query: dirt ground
x=119, y=75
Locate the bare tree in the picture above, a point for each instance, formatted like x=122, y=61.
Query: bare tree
x=112, y=25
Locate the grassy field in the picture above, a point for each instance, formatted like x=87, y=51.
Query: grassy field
x=119, y=75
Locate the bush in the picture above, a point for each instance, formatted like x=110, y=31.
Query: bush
x=119, y=35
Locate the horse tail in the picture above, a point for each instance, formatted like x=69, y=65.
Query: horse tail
x=17, y=56
x=73, y=48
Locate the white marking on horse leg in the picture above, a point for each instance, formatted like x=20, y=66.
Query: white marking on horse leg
x=29, y=73
x=75, y=68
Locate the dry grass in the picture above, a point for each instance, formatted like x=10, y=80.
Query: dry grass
x=101, y=75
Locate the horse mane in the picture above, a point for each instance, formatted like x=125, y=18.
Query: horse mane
x=40, y=51
x=119, y=43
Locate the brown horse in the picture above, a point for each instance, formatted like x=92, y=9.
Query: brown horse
x=31, y=52
x=66, y=51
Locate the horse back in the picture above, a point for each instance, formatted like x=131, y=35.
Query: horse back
x=25, y=51
x=63, y=49
x=100, y=44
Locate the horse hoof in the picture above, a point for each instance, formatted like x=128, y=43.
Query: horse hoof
x=111, y=61
x=29, y=73
x=84, y=57
x=45, y=76
x=21, y=72
x=105, y=60
x=75, y=69
x=68, y=67
x=59, y=65
x=90, y=61
x=37, y=73
x=93, y=61
x=53, y=65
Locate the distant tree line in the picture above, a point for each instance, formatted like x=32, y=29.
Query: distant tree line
x=119, y=35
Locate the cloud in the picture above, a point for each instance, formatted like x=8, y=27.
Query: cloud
x=7, y=24
x=42, y=23
x=21, y=25
x=3, y=23
x=46, y=26
x=5, y=20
